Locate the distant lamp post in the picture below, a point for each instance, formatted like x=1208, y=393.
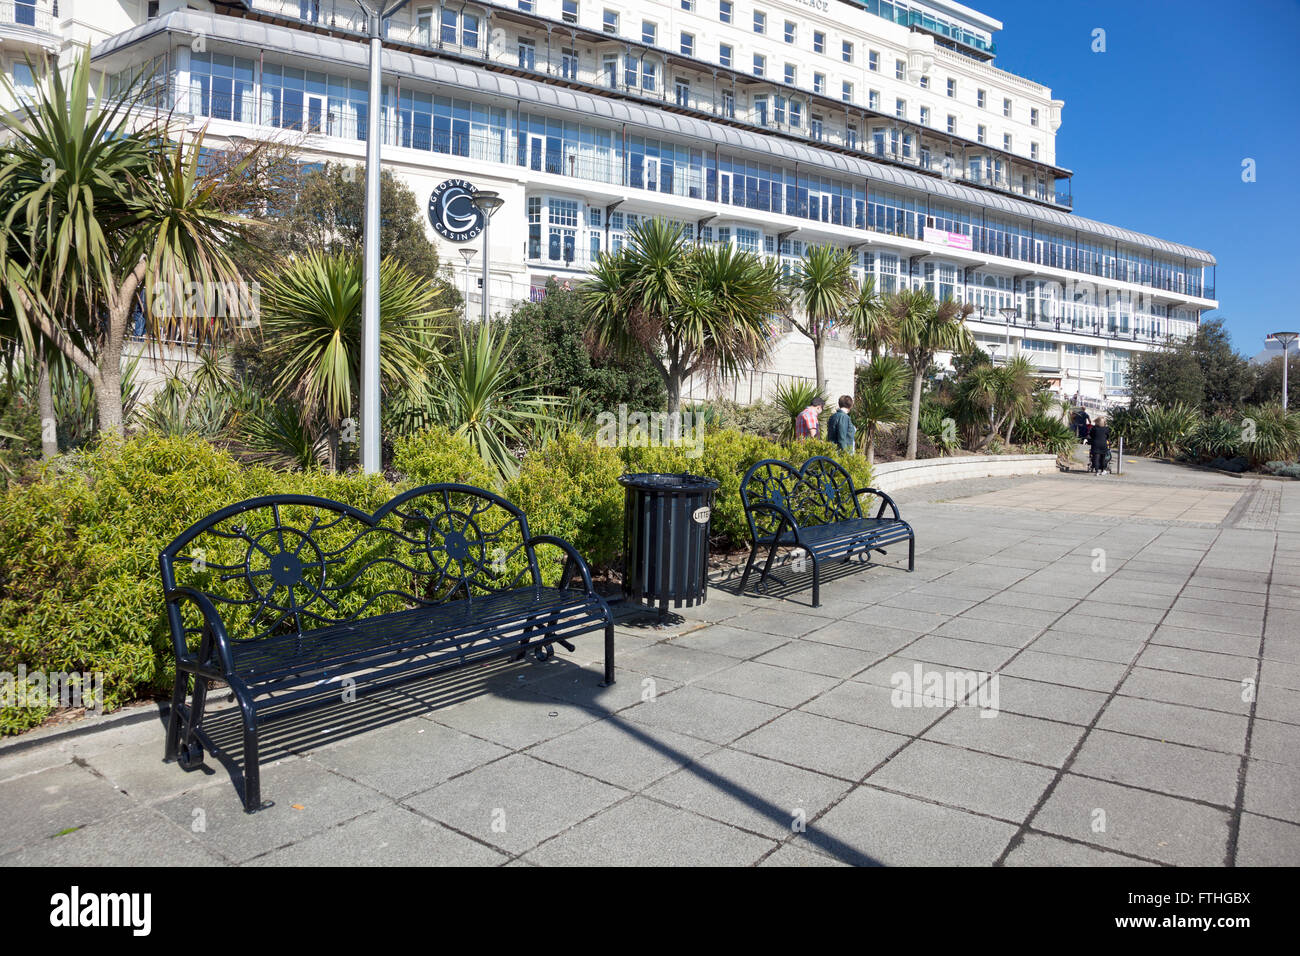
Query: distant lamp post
x=1009, y=312
x=1285, y=339
x=467, y=255
x=487, y=202
x=376, y=11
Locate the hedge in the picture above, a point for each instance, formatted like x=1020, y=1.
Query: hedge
x=79, y=581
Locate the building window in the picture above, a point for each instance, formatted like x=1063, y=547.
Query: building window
x=851, y=136
x=1033, y=117
x=688, y=44
x=819, y=83
x=688, y=6
x=534, y=207
x=925, y=82
x=952, y=88
x=609, y=67
x=900, y=108
x=981, y=134
x=815, y=127
x=724, y=10
x=873, y=100
x=729, y=104
x=469, y=30
x=790, y=73
x=526, y=6
x=648, y=32
x=563, y=233
x=569, y=12
x=1006, y=142
x=979, y=98
x=846, y=91
x=724, y=54
x=760, y=110
x=1006, y=108
x=778, y=109
x=900, y=69
x=796, y=113
x=760, y=21
x=790, y=31
x=873, y=61
x=649, y=75
x=631, y=70
x=569, y=64
x=760, y=64
x=1033, y=150
x=424, y=26
x=952, y=124
x=682, y=92
x=846, y=51
x=925, y=116
x=819, y=41
x=527, y=54
x=611, y=21
x=308, y=10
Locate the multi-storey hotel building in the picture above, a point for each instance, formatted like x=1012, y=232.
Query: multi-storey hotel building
x=880, y=127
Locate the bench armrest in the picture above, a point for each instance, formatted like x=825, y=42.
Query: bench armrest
x=214, y=629
x=884, y=500
x=786, y=517
x=572, y=557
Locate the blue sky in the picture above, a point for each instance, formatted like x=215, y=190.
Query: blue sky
x=1156, y=129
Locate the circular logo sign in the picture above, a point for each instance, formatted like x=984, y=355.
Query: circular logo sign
x=701, y=515
x=452, y=211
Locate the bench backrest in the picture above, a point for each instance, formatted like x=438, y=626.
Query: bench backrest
x=820, y=491
x=287, y=563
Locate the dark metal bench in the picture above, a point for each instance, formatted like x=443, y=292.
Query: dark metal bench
x=294, y=601
x=816, y=508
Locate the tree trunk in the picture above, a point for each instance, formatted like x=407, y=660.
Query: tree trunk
x=871, y=449
x=108, y=395
x=915, y=420
x=332, y=438
x=45, y=408
x=819, y=363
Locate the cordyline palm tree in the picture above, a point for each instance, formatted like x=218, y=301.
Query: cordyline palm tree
x=881, y=403
x=870, y=320
x=1001, y=393
x=478, y=392
x=311, y=323
x=694, y=309
x=102, y=208
x=821, y=293
x=923, y=327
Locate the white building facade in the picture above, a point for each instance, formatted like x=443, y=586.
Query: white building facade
x=879, y=127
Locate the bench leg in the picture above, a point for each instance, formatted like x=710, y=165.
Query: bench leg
x=174, y=715
x=609, y=655
x=817, y=599
x=252, y=758
x=911, y=553
x=189, y=749
x=767, y=565
x=749, y=566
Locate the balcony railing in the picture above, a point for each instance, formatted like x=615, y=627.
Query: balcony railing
x=1149, y=329
x=37, y=16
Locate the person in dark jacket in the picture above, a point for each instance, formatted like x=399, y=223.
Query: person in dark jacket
x=1099, y=440
x=1079, y=421
x=840, y=430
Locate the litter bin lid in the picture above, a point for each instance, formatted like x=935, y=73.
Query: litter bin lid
x=683, y=482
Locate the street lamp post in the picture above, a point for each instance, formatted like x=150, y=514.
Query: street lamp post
x=1008, y=313
x=487, y=202
x=1285, y=338
x=467, y=255
x=376, y=12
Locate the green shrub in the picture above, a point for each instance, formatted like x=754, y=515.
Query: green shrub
x=436, y=455
x=1269, y=434
x=570, y=489
x=79, y=581
x=1163, y=431
x=1213, y=438
x=1045, y=434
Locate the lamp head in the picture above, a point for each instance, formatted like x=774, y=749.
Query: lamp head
x=487, y=201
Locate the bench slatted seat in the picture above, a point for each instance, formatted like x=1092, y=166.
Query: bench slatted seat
x=817, y=509
x=292, y=600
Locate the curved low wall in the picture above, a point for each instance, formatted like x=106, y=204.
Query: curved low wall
x=892, y=476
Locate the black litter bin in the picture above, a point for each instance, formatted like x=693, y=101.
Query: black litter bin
x=666, y=538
